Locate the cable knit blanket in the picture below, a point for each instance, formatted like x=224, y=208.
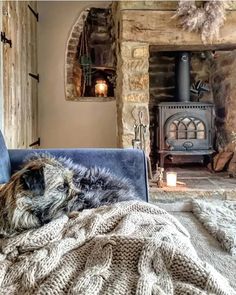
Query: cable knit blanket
x=126, y=248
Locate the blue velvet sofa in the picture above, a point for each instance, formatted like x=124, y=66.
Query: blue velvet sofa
x=127, y=163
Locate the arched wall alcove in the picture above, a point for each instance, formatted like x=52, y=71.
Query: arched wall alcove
x=90, y=57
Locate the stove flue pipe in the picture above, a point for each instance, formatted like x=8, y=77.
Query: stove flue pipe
x=182, y=76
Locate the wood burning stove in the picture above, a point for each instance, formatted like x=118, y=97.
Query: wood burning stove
x=184, y=127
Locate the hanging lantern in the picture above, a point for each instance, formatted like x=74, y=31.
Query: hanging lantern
x=101, y=88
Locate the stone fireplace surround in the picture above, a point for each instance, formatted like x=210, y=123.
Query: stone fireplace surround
x=139, y=34
x=145, y=33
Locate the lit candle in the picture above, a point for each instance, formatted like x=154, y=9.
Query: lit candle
x=171, y=178
x=101, y=88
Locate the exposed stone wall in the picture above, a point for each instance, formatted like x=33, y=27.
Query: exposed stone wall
x=224, y=91
x=200, y=69
x=71, y=65
x=132, y=90
x=162, y=76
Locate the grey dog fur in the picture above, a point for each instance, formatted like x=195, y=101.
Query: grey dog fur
x=99, y=187
x=46, y=187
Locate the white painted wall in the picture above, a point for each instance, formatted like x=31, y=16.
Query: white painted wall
x=63, y=123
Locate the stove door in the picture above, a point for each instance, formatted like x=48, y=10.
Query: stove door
x=186, y=132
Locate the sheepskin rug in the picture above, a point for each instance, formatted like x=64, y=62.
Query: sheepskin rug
x=219, y=218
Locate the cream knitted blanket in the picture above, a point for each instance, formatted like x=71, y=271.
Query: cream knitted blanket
x=126, y=248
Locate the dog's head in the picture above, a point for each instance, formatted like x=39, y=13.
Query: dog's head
x=37, y=193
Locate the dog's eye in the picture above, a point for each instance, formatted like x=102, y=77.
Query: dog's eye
x=62, y=187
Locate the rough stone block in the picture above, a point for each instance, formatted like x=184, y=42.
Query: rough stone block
x=72, y=48
x=136, y=97
x=71, y=54
x=76, y=35
x=140, y=110
x=70, y=92
x=141, y=52
x=130, y=115
x=139, y=65
x=139, y=82
x=125, y=50
x=69, y=79
x=128, y=49
x=73, y=41
x=126, y=140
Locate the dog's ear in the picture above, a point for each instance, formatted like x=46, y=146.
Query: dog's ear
x=33, y=179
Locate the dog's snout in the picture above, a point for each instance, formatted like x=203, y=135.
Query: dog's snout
x=76, y=194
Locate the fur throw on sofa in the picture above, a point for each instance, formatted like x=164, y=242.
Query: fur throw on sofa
x=98, y=187
x=101, y=187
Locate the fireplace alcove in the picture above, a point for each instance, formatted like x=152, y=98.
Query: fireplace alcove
x=146, y=42
x=182, y=125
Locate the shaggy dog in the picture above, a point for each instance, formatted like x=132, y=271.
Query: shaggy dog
x=35, y=195
x=45, y=188
x=99, y=187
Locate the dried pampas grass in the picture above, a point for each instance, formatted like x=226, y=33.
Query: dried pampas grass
x=207, y=19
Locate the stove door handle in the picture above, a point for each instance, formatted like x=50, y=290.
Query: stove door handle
x=187, y=145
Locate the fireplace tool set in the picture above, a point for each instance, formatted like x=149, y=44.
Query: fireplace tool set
x=140, y=129
x=139, y=141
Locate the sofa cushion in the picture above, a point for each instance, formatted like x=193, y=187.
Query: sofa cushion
x=5, y=165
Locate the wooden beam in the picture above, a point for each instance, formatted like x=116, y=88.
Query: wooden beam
x=158, y=5
x=161, y=29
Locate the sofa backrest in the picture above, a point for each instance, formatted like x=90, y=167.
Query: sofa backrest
x=127, y=163
x=5, y=166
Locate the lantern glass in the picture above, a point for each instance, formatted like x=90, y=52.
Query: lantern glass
x=101, y=88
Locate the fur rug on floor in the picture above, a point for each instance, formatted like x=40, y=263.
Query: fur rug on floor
x=219, y=218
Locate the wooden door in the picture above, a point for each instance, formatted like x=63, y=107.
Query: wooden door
x=20, y=108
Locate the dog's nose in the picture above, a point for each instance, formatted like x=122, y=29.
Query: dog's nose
x=75, y=194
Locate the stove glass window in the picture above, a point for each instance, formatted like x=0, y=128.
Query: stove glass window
x=187, y=128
